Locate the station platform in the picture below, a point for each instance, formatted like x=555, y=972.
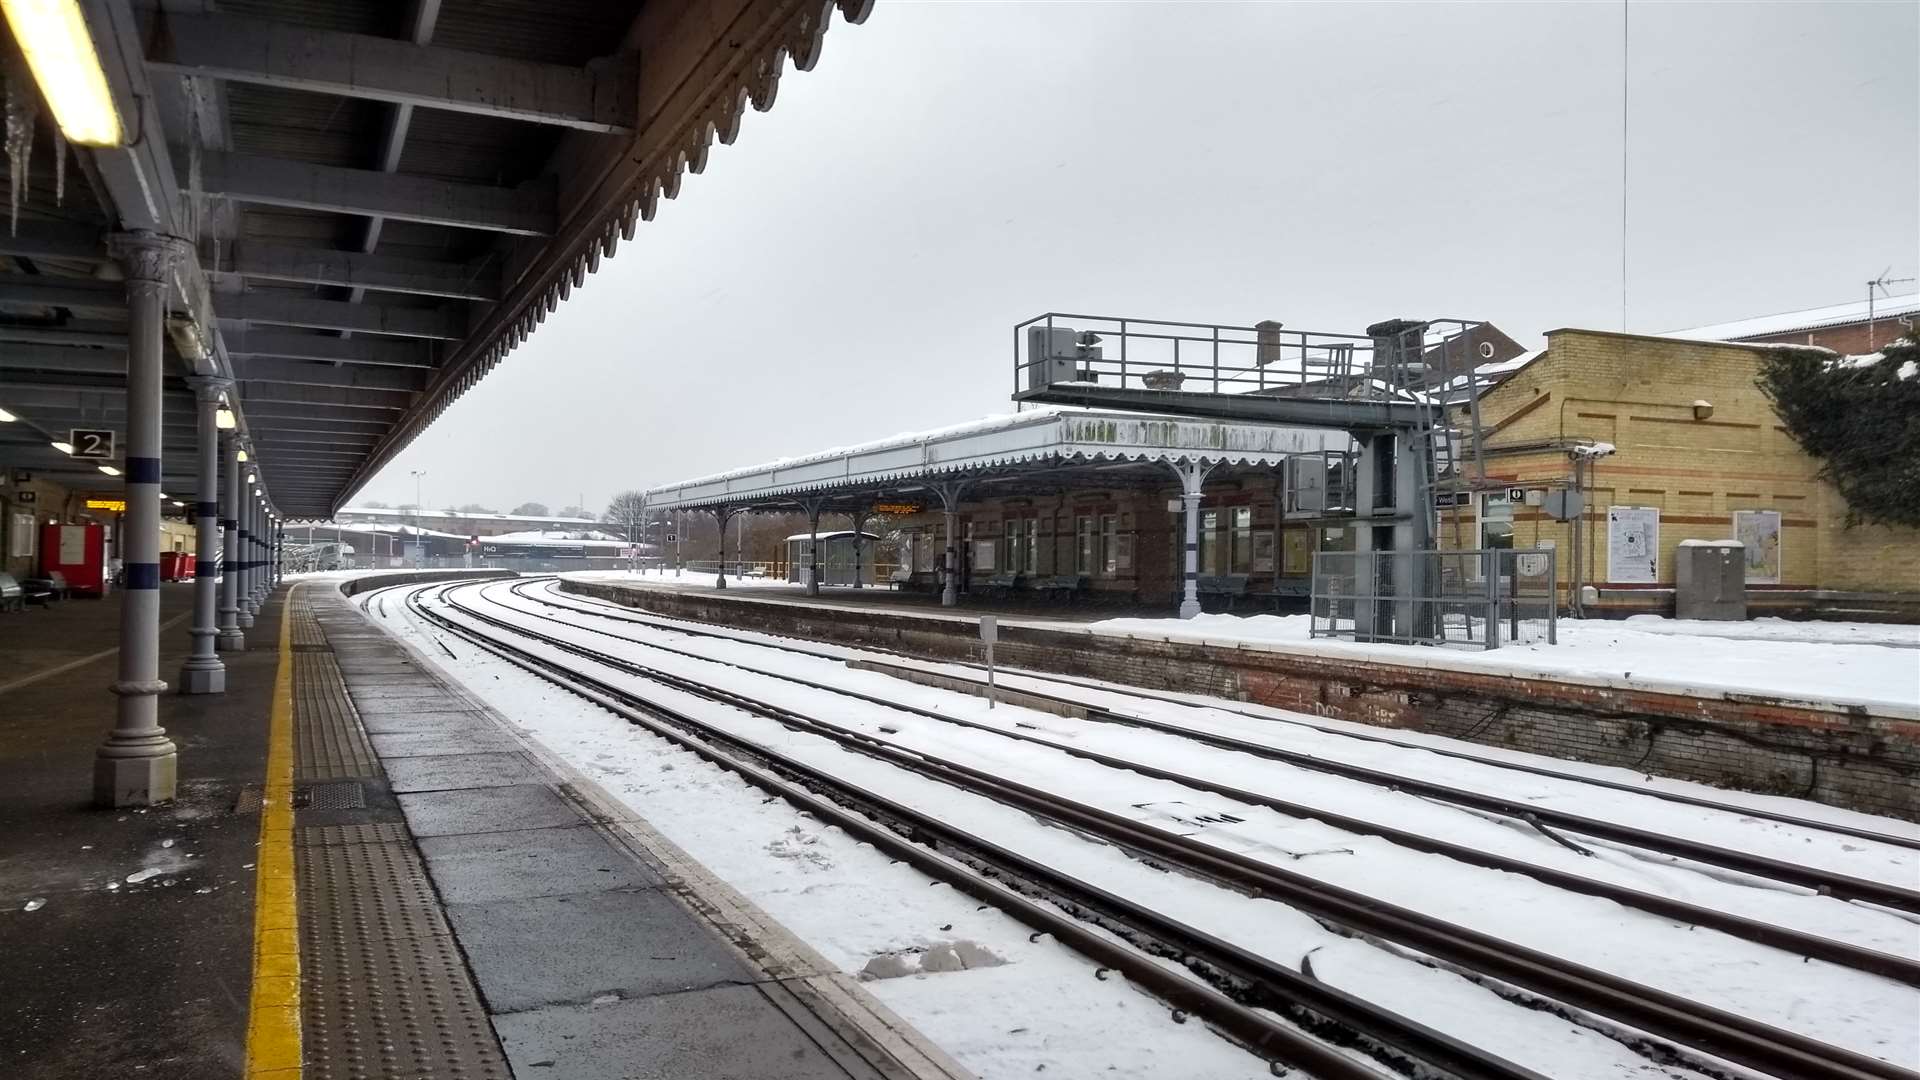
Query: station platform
x=369, y=874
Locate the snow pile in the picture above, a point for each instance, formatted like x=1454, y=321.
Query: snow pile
x=1812, y=662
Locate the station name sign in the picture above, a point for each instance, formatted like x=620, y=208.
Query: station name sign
x=897, y=508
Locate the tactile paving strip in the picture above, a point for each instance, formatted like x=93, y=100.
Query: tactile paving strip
x=329, y=743
x=306, y=629
x=385, y=991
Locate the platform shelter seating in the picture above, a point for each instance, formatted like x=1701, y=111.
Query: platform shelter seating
x=12, y=596
x=45, y=590
x=1226, y=590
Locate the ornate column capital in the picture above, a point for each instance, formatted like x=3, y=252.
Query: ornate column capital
x=147, y=257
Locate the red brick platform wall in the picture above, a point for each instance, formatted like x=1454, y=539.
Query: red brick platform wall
x=1845, y=758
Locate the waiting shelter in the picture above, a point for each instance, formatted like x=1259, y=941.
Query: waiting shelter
x=1059, y=502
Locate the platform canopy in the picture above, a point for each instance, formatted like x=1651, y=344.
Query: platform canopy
x=1042, y=450
x=382, y=198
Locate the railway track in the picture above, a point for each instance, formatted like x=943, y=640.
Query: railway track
x=1674, y=1028
x=1544, y=819
x=1191, y=700
x=1800, y=943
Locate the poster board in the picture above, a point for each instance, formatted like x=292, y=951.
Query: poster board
x=983, y=552
x=22, y=535
x=1633, y=544
x=1263, y=546
x=1759, y=532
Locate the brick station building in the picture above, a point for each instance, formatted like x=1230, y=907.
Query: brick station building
x=1698, y=444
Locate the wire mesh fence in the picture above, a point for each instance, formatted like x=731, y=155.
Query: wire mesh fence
x=1486, y=598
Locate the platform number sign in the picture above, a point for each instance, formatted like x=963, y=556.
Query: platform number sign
x=91, y=443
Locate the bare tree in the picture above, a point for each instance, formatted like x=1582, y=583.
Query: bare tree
x=531, y=509
x=628, y=508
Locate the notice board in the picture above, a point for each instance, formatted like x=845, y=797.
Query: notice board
x=1633, y=544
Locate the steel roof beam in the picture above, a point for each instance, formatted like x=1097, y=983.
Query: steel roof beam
x=598, y=98
x=527, y=210
x=65, y=336
x=327, y=396
x=55, y=240
x=72, y=293
x=308, y=373
x=382, y=273
x=270, y=413
x=270, y=310
x=242, y=341
x=53, y=358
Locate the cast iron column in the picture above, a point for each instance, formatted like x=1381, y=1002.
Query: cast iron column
x=137, y=765
x=1193, y=475
x=231, y=639
x=252, y=518
x=242, y=501
x=203, y=673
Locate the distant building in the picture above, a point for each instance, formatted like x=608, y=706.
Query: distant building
x=1854, y=328
x=1698, y=453
x=465, y=524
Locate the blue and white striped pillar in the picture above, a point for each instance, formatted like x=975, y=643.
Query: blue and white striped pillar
x=138, y=765
x=243, y=513
x=203, y=673
x=232, y=638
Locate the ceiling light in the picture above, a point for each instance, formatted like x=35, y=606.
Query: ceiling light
x=7, y=417
x=177, y=502
x=63, y=447
x=109, y=470
x=241, y=456
x=223, y=419
x=67, y=68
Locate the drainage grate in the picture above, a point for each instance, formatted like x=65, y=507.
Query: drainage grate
x=249, y=800
x=341, y=796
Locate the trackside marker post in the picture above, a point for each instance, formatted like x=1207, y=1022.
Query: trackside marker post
x=989, y=633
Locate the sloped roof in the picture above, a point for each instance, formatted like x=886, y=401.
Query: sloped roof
x=1787, y=322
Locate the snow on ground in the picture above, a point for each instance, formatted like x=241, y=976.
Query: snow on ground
x=1817, y=998
x=1015, y=1020
x=1839, y=670
x=1833, y=1004
x=1386, y=750
x=686, y=578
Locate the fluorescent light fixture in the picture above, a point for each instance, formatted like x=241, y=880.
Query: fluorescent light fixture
x=163, y=494
x=63, y=447
x=109, y=470
x=53, y=34
x=177, y=502
x=223, y=419
x=7, y=417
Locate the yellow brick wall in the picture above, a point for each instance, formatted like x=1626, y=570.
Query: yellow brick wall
x=1638, y=393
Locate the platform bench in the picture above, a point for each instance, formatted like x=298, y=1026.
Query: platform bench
x=12, y=596
x=45, y=590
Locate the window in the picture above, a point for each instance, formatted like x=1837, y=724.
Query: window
x=1209, y=543
x=1240, y=551
x=1109, y=543
x=1020, y=544
x=1496, y=521
x=1083, y=545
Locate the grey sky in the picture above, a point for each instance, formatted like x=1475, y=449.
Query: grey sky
x=853, y=266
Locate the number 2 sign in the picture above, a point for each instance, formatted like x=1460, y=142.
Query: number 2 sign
x=96, y=445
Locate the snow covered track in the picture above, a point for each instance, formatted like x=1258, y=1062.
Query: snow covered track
x=1546, y=819
x=1092, y=695
x=1892, y=966
x=1682, y=1030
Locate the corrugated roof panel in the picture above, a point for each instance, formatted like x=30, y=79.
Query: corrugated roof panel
x=479, y=149
x=383, y=17
x=299, y=126
x=555, y=31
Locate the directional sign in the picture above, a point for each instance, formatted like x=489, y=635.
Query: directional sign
x=94, y=444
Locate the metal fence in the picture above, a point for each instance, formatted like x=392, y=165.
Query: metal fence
x=1487, y=597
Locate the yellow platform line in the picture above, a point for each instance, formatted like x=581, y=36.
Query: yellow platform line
x=273, y=1014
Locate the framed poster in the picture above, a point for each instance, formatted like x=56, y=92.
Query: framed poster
x=983, y=551
x=1633, y=544
x=1759, y=533
x=1263, y=551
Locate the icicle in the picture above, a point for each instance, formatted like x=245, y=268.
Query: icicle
x=23, y=108
x=59, y=166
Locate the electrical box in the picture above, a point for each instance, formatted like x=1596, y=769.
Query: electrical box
x=79, y=553
x=1306, y=487
x=1050, y=356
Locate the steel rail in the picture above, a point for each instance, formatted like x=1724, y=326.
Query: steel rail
x=881, y=821
x=1842, y=886
x=1759, y=865
x=1665, y=1016
x=1873, y=961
